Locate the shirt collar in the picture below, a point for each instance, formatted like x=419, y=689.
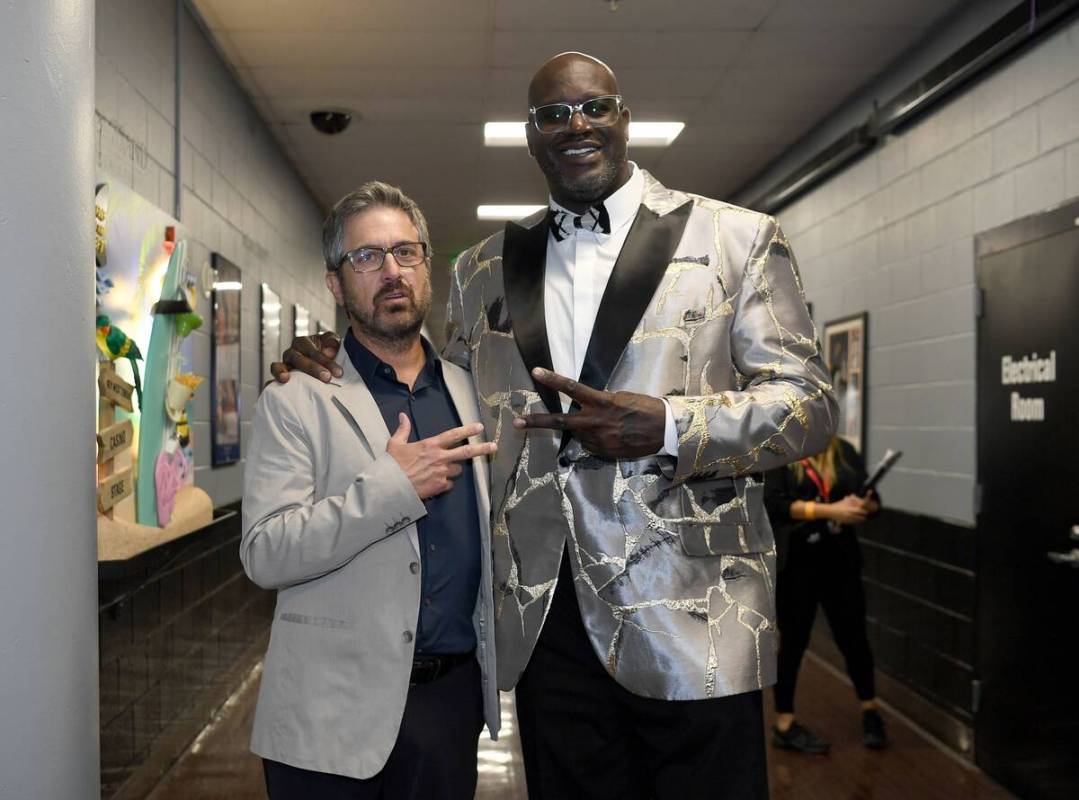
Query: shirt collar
x=622, y=205
x=368, y=364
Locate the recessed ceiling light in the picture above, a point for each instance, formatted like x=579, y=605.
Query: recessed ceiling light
x=641, y=134
x=503, y=212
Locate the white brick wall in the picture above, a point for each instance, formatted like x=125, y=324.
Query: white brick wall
x=894, y=235
x=240, y=196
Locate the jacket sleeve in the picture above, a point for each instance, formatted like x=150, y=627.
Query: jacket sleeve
x=778, y=495
x=289, y=536
x=458, y=348
x=786, y=408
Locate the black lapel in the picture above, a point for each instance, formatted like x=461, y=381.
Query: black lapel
x=524, y=257
x=637, y=273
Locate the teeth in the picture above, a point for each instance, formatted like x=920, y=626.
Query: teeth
x=578, y=151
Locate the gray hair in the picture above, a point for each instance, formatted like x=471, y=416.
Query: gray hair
x=373, y=194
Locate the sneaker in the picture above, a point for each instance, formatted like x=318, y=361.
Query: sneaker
x=873, y=735
x=797, y=737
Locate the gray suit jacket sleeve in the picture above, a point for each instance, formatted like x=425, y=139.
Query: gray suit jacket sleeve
x=786, y=408
x=291, y=534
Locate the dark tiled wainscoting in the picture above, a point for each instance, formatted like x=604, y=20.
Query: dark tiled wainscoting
x=919, y=577
x=179, y=628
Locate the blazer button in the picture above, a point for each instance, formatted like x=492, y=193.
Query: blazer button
x=407, y=637
x=414, y=568
x=563, y=461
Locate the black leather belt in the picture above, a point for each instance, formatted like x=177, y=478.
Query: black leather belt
x=428, y=668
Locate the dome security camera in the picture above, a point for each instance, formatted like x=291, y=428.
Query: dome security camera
x=330, y=121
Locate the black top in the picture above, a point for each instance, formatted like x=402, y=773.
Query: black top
x=449, y=536
x=781, y=488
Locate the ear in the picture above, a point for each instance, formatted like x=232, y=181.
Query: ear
x=333, y=283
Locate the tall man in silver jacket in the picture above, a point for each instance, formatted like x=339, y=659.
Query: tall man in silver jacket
x=641, y=356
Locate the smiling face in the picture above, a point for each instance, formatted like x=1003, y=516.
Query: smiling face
x=391, y=304
x=582, y=164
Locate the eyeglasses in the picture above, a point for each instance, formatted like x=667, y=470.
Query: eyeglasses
x=408, y=255
x=599, y=112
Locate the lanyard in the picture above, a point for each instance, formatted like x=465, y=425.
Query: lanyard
x=822, y=487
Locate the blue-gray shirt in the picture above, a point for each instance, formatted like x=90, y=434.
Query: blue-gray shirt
x=449, y=536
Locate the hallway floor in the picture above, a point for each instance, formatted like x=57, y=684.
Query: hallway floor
x=218, y=764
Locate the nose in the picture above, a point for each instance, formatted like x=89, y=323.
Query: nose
x=578, y=121
x=391, y=270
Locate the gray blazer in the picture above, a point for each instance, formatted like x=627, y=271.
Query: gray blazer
x=329, y=522
x=673, y=557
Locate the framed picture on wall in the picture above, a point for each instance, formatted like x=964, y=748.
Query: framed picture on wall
x=225, y=363
x=271, y=332
x=301, y=325
x=845, y=355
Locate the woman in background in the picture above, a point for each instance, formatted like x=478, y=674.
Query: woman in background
x=814, y=507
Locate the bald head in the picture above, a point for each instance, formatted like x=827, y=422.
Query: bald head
x=584, y=159
x=563, y=65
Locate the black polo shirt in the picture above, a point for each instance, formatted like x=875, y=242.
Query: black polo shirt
x=449, y=536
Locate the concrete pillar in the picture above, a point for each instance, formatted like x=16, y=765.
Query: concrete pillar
x=48, y=549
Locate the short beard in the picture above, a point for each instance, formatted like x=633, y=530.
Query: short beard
x=589, y=188
x=399, y=332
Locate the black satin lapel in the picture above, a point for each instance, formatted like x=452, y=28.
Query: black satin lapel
x=524, y=256
x=637, y=273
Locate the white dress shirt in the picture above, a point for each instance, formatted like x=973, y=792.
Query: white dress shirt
x=576, y=275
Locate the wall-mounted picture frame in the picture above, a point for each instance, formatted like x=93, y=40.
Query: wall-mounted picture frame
x=270, y=349
x=301, y=325
x=845, y=353
x=225, y=362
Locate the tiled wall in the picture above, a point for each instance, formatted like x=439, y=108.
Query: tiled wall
x=175, y=636
x=894, y=235
x=240, y=197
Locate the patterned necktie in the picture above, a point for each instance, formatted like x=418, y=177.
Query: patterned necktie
x=595, y=219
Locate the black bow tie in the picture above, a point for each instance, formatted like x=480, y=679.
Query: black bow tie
x=595, y=219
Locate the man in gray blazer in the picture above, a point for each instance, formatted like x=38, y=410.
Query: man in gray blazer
x=380, y=670
x=642, y=355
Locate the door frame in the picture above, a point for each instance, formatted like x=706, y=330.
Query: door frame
x=1020, y=232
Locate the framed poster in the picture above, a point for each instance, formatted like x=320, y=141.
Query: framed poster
x=225, y=363
x=271, y=332
x=301, y=321
x=845, y=354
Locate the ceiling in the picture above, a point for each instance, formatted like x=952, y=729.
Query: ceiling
x=748, y=77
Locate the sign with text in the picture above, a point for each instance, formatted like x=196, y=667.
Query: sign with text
x=114, y=489
x=115, y=389
x=114, y=439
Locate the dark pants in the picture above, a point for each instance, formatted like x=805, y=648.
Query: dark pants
x=434, y=757
x=584, y=736
x=827, y=572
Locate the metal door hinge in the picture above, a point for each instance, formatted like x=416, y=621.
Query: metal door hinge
x=975, y=695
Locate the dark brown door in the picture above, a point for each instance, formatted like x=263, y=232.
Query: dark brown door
x=1027, y=722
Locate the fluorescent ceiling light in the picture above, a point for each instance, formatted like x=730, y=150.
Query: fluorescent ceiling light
x=654, y=134
x=228, y=286
x=641, y=134
x=504, y=134
x=506, y=211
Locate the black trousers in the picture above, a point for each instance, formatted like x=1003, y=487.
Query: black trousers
x=584, y=736
x=827, y=572
x=434, y=757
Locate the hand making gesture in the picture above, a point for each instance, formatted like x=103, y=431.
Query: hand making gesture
x=608, y=424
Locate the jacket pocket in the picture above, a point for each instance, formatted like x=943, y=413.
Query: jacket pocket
x=723, y=517
x=322, y=622
x=720, y=540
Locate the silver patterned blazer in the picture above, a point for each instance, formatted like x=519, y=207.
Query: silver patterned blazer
x=673, y=558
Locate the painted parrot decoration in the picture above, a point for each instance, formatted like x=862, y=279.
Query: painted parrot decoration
x=114, y=343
